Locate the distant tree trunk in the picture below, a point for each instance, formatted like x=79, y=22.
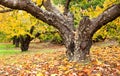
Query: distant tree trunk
x=13, y=40
x=16, y=41
x=77, y=40
x=25, y=41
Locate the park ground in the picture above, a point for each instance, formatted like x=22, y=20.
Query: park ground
x=46, y=59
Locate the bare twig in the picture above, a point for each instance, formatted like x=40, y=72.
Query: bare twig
x=2, y=7
x=6, y=10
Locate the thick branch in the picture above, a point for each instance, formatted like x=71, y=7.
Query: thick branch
x=15, y=4
x=107, y=16
x=70, y=17
x=28, y=6
x=88, y=27
x=50, y=18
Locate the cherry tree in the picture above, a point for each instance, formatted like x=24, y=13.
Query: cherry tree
x=78, y=40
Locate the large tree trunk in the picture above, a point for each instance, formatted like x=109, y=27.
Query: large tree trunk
x=77, y=41
x=82, y=50
x=78, y=50
x=80, y=41
x=17, y=41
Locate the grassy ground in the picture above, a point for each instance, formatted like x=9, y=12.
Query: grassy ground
x=7, y=49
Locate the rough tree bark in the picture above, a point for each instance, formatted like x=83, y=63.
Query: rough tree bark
x=77, y=41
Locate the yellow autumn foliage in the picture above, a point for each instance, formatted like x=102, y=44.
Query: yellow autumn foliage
x=105, y=31
x=38, y=2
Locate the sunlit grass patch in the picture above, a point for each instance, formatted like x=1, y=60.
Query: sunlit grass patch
x=6, y=46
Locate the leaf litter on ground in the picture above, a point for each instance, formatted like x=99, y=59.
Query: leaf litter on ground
x=104, y=62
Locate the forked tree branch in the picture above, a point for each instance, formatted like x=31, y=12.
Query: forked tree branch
x=107, y=16
x=90, y=26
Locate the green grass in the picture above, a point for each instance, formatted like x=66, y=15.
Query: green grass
x=6, y=46
x=9, y=49
x=6, y=49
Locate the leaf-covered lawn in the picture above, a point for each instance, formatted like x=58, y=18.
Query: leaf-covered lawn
x=105, y=61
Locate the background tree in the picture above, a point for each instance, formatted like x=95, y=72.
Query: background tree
x=23, y=28
x=16, y=41
x=77, y=40
x=18, y=28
